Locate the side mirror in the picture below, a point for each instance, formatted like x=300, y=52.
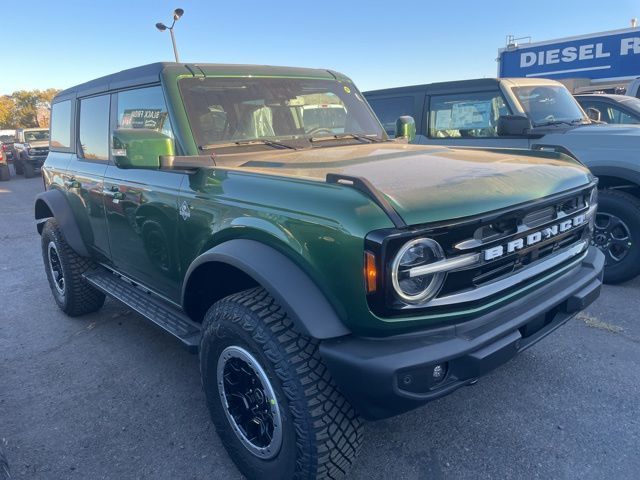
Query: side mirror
x=513, y=125
x=140, y=148
x=594, y=114
x=406, y=128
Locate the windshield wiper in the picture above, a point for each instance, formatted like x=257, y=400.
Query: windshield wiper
x=254, y=141
x=560, y=122
x=341, y=136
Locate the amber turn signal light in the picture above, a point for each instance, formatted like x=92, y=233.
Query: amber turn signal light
x=370, y=272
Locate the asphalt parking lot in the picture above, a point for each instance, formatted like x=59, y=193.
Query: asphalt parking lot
x=108, y=396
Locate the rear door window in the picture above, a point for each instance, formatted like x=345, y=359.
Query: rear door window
x=466, y=115
x=94, y=128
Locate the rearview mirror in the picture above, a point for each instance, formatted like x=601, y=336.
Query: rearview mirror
x=140, y=148
x=594, y=114
x=406, y=128
x=513, y=125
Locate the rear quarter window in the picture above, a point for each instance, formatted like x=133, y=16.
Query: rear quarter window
x=60, y=125
x=389, y=109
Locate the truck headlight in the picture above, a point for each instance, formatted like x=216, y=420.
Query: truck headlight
x=410, y=284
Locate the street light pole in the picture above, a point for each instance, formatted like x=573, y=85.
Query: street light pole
x=177, y=13
x=173, y=40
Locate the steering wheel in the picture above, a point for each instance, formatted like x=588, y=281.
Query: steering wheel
x=315, y=131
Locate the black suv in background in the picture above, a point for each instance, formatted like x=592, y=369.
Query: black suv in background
x=31, y=148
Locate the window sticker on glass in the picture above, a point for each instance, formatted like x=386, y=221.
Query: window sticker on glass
x=443, y=119
x=469, y=115
x=151, y=118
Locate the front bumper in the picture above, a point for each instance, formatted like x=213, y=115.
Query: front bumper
x=383, y=377
x=36, y=161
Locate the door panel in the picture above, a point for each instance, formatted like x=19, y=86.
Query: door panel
x=141, y=204
x=84, y=177
x=83, y=182
x=142, y=209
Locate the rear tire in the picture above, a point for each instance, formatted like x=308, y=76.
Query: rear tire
x=618, y=234
x=306, y=428
x=17, y=163
x=65, y=269
x=29, y=170
x=5, y=173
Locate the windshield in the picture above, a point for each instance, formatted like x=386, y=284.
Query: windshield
x=36, y=135
x=224, y=110
x=7, y=139
x=631, y=102
x=549, y=104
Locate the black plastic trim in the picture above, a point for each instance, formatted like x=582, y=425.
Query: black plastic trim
x=307, y=306
x=365, y=186
x=57, y=203
x=367, y=370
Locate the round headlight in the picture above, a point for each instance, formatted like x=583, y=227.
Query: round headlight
x=410, y=286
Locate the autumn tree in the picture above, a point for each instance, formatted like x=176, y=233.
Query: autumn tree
x=26, y=108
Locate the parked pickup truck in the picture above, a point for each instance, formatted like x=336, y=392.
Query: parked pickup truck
x=30, y=150
x=323, y=271
x=541, y=115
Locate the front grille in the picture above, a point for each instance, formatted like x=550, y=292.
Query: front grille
x=504, y=229
x=517, y=264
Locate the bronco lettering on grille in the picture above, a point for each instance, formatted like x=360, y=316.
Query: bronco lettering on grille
x=533, y=238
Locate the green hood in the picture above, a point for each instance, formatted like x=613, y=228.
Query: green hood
x=430, y=184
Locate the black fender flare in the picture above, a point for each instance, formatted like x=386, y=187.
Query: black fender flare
x=54, y=201
x=631, y=176
x=292, y=288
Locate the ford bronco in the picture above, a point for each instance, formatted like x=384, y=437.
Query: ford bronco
x=542, y=115
x=30, y=150
x=324, y=272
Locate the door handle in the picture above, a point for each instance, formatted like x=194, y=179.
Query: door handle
x=113, y=193
x=72, y=183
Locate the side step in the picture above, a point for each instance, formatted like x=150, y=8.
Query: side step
x=166, y=316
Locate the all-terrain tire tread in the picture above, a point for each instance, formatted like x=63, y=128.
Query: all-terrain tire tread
x=329, y=433
x=82, y=298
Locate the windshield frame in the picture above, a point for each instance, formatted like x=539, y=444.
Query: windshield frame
x=516, y=91
x=297, y=139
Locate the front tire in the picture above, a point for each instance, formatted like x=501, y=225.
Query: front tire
x=617, y=234
x=65, y=270
x=271, y=398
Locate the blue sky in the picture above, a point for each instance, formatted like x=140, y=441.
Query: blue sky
x=61, y=43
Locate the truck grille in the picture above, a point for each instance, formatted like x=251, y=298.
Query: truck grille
x=39, y=152
x=516, y=226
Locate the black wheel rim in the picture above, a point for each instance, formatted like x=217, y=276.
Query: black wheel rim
x=613, y=237
x=55, y=267
x=249, y=402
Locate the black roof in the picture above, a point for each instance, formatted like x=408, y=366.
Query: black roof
x=148, y=74
x=479, y=83
x=126, y=78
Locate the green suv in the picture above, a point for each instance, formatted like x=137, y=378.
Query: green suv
x=324, y=272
